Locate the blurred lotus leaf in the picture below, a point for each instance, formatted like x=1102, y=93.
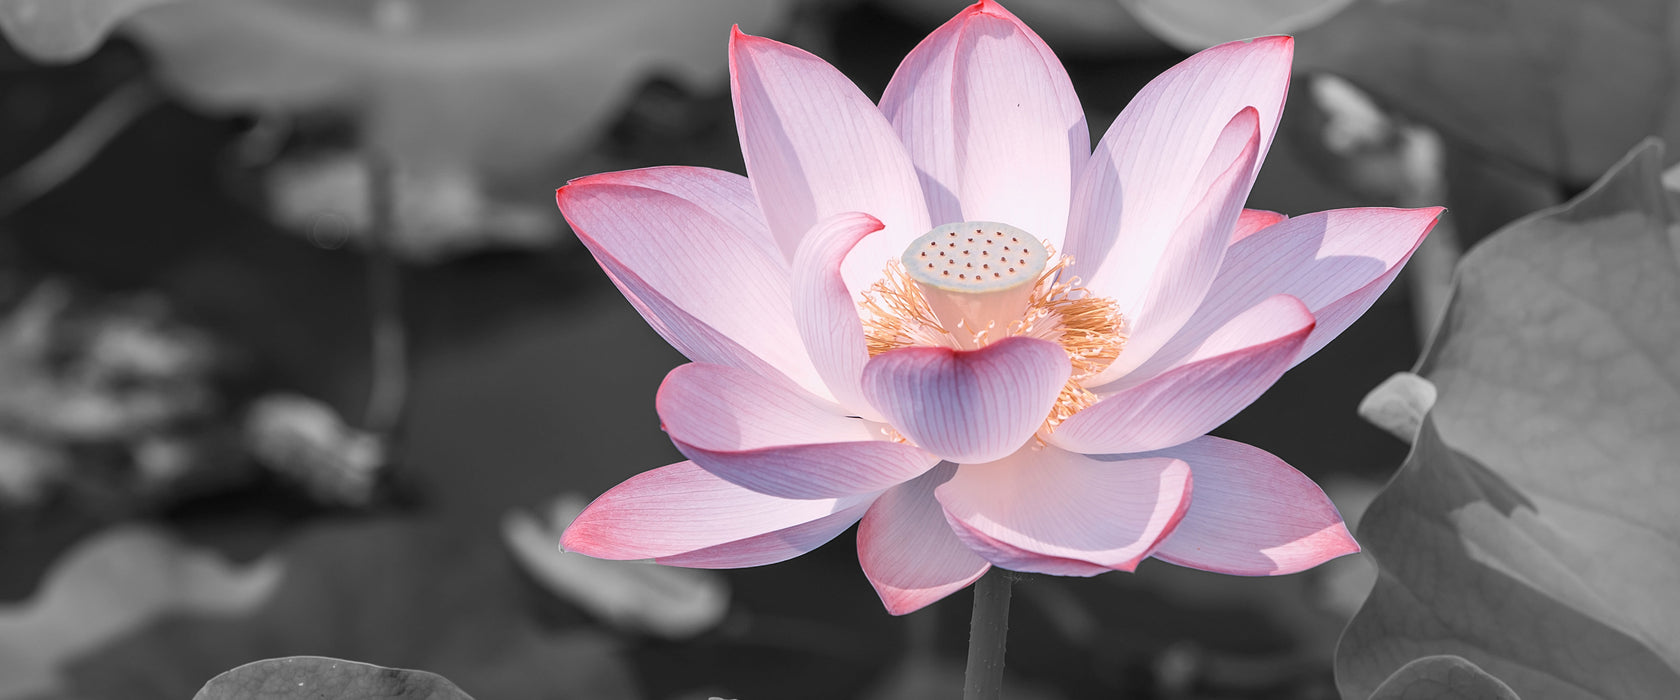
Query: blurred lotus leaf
x=493, y=83
x=1399, y=404
x=306, y=441
x=29, y=469
x=663, y=601
x=61, y=31
x=297, y=676
x=1671, y=178
x=1193, y=25
x=1557, y=86
x=398, y=593
x=440, y=210
x=1533, y=530
x=1442, y=677
x=120, y=381
x=100, y=369
x=109, y=585
x=1381, y=157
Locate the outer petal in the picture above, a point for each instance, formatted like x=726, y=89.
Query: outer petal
x=908, y=550
x=1140, y=183
x=968, y=406
x=825, y=310
x=774, y=438
x=992, y=123
x=684, y=246
x=1225, y=374
x=1253, y=515
x=815, y=146
x=1187, y=264
x=690, y=336
x=1336, y=262
x=686, y=516
x=1058, y=512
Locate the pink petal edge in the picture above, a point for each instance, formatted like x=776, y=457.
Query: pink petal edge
x=709, y=283
x=815, y=146
x=1253, y=515
x=992, y=122
x=684, y=515
x=907, y=549
x=1252, y=220
x=1140, y=181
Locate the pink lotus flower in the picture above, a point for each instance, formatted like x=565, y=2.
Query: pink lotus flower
x=945, y=316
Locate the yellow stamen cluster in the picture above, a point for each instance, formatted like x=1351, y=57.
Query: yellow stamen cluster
x=896, y=314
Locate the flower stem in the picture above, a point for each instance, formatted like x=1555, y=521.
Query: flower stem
x=988, y=633
x=387, y=394
x=78, y=146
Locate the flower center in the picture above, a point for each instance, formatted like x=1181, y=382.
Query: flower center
x=975, y=276
x=968, y=284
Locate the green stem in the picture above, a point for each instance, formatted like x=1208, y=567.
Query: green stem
x=988, y=633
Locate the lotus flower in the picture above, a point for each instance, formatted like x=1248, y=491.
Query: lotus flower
x=946, y=317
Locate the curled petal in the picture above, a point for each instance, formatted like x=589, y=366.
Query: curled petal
x=1141, y=181
x=815, y=146
x=1186, y=265
x=775, y=439
x=1253, y=515
x=909, y=552
x=825, y=310
x=1225, y=375
x=1052, y=511
x=968, y=406
x=992, y=123
x=1337, y=262
x=683, y=515
x=708, y=282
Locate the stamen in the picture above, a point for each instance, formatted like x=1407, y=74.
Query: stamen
x=896, y=316
x=1088, y=327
